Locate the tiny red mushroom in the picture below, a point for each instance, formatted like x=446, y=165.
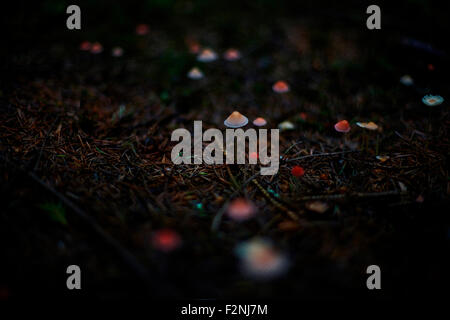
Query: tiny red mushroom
x=253, y=155
x=342, y=126
x=280, y=87
x=298, y=171
x=85, y=46
x=96, y=48
x=232, y=55
x=142, y=29
x=166, y=240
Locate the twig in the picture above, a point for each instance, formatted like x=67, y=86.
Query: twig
x=290, y=147
x=322, y=155
x=354, y=195
x=218, y=217
x=276, y=203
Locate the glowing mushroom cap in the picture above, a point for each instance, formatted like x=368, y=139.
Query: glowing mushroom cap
x=432, y=101
x=117, y=52
x=367, y=125
x=259, y=259
x=96, y=48
x=142, y=29
x=286, y=125
x=280, y=87
x=407, y=80
x=342, y=126
x=85, y=46
x=241, y=209
x=195, y=74
x=166, y=240
x=303, y=116
x=317, y=206
x=207, y=55
x=382, y=158
x=259, y=122
x=232, y=55
x=236, y=120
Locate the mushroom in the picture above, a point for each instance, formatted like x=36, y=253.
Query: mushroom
x=241, y=209
x=236, y=120
x=142, y=29
x=367, y=125
x=232, y=55
x=253, y=155
x=342, y=126
x=432, y=101
x=317, y=206
x=85, y=46
x=406, y=80
x=259, y=259
x=96, y=48
x=286, y=125
x=193, y=45
x=280, y=87
x=207, y=55
x=298, y=171
x=259, y=122
x=195, y=74
x=166, y=240
x=372, y=126
x=382, y=158
x=117, y=52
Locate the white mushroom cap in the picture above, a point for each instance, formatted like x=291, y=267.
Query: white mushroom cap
x=407, y=80
x=286, y=125
x=207, y=55
x=367, y=125
x=195, y=74
x=235, y=120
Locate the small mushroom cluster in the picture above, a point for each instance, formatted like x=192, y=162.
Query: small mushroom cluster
x=238, y=120
x=97, y=47
x=206, y=55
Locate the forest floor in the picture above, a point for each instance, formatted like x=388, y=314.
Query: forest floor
x=87, y=177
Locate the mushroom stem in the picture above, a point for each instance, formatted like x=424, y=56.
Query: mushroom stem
x=377, y=148
x=430, y=127
x=345, y=141
x=364, y=144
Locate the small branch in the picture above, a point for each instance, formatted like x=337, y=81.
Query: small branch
x=354, y=195
x=218, y=217
x=322, y=155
